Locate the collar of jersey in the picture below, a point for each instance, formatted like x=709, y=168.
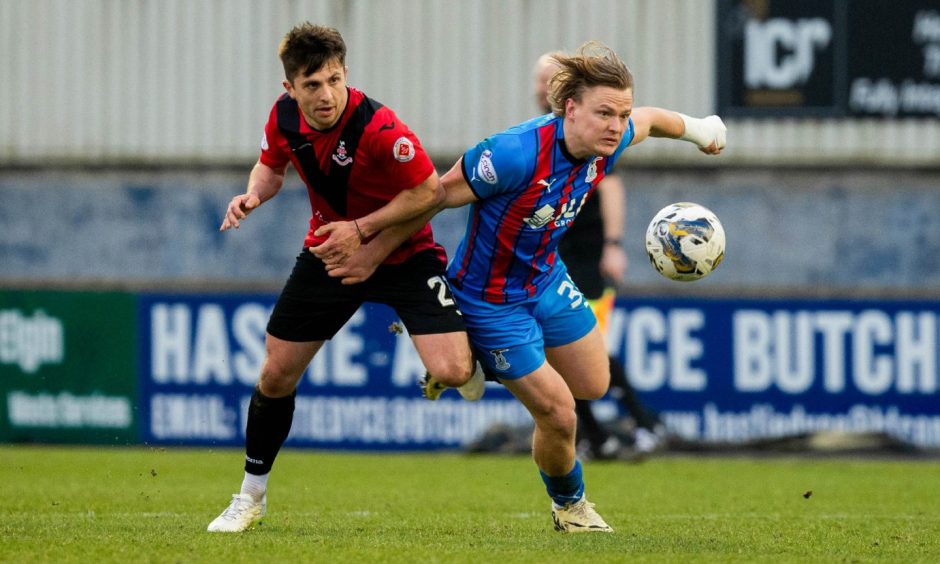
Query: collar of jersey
x=560, y=136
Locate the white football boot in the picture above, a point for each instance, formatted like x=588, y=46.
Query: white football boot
x=241, y=514
x=579, y=517
x=475, y=386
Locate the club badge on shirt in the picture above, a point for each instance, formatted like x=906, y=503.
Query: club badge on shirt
x=404, y=150
x=341, y=157
x=592, y=170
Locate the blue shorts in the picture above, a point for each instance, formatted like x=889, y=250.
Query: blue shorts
x=511, y=338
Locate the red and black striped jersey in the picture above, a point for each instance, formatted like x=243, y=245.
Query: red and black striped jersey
x=353, y=168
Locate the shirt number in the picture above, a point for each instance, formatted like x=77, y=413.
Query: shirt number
x=438, y=283
x=575, y=295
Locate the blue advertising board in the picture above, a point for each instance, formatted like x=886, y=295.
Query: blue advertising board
x=718, y=370
x=201, y=356
x=735, y=370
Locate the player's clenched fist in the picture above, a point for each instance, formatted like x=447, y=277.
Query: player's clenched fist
x=239, y=208
x=710, y=133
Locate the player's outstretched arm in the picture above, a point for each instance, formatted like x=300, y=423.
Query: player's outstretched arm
x=709, y=133
x=264, y=183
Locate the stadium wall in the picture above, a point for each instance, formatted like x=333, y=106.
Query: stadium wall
x=818, y=232
x=180, y=81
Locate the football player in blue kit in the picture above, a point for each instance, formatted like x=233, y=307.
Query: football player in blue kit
x=527, y=320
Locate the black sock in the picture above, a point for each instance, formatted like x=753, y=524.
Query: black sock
x=269, y=421
x=588, y=426
x=625, y=394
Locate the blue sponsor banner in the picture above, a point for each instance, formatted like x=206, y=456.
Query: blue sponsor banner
x=718, y=370
x=736, y=370
x=201, y=356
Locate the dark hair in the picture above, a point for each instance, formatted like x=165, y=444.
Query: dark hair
x=307, y=47
x=595, y=64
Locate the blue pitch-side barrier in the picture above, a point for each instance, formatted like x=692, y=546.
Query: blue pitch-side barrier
x=716, y=369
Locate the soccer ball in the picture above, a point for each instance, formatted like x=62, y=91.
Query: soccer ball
x=685, y=241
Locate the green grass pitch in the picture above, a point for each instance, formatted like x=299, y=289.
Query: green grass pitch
x=61, y=504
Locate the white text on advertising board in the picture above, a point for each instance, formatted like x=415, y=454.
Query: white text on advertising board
x=205, y=345
x=30, y=341
x=869, y=351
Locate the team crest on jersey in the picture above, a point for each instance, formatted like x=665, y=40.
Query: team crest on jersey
x=540, y=217
x=485, y=169
x=341, y=157
x=501, y=363
x=404, y=150
x=592, y=170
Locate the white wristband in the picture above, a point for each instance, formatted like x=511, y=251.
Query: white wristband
x=703, y=132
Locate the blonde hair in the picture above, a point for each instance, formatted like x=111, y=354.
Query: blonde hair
x=595, y=64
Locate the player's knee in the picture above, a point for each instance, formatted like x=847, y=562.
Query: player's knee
x=277, y=380
x=558, y=418
x=451, y=370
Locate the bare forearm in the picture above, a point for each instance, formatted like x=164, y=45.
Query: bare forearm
x=454, y=193
x=708, y=133
x=265, y=182
x=658, y=122
x=408, y=206
x=392, y=237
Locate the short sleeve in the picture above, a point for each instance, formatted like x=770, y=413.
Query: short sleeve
x=397, y=150
x=495, y=165
x=273, y=145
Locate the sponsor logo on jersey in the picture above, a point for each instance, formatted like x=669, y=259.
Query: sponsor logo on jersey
x=404, y=150
x=341, y=157
x=547, y=183
x=569, y=210
x=541, y=217
x=485, y=168
x=501, y=363
x=264, y=141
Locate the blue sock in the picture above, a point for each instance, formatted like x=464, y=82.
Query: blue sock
x=565, y=489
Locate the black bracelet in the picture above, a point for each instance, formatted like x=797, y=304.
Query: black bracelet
x=614, y=242
x=361, y=236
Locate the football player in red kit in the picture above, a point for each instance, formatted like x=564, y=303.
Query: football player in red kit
x=365, y=171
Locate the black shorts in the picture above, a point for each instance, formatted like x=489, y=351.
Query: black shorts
x=313, y=306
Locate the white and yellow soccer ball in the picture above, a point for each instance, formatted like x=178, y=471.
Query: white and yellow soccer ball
x=685, y=241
